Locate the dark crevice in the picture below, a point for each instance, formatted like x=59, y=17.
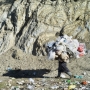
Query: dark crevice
x=6, y=2
x=53, y=0
x=33, y=24
x=21, y=30
x=75, y=0
x=34, y=47
x=9, y=13
x=9, y=1
x=12, y=7
x=27, y=16
x=3, y=23
x=34, y=16
x=30, y=30
x=62, y=31
x=67, y=1
x=27, y=10
x=27, y=19
x=21, y=1
x=14, y=20
x=77, y=18
x=5, y=28
x=25, y=24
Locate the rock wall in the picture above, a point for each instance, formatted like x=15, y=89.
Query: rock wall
x=28, y=24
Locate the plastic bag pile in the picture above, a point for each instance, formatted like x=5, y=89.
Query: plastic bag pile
x=65, y=46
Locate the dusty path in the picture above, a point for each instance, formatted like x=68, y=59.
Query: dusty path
x=16, y=66
x=16, y=60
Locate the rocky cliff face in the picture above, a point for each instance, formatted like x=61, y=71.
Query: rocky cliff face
x=28, y=24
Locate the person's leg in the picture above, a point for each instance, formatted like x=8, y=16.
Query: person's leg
x=65, y=69
x=59, y=69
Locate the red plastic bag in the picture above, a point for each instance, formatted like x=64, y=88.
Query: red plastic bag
x=81, y=47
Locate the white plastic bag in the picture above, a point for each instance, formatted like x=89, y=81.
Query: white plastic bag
x=73, y=45
x=51, y=55
x=60, y=48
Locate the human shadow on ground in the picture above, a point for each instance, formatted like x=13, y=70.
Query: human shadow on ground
x=27, y=73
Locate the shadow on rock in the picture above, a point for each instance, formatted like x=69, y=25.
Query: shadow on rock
x=6, y=2
x=27, y=73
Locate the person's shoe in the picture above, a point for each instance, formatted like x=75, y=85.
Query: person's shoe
x=63, y=75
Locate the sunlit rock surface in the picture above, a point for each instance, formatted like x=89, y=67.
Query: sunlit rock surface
x=29, y=24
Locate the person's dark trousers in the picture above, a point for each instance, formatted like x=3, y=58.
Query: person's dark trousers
x=63, y=68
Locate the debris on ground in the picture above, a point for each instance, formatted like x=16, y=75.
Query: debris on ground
x=48, y=84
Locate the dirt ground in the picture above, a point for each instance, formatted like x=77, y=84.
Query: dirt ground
x=34, y=66
x=16, y=64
